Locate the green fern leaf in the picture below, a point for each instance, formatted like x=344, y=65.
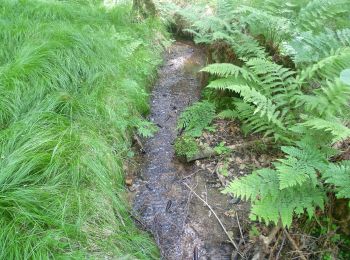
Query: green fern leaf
x=339, y=176
x=338, y=130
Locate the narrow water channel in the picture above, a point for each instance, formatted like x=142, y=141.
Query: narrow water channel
x=163, y=202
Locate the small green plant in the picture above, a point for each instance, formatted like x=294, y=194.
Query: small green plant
x=222, y=149
x=186, y=146
x=223, y=169
x=196, y=118
x=145, y=128
x=254, y=232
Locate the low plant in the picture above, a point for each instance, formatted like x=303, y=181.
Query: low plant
x=186, y=146
x=196, y=118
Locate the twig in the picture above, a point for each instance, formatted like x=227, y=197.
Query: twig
x=216, y=216
x=295, y=246
x=209, y=152
x=240, y=229
x=280, y=250
x=137, y=139
x=274, y=247
x=190, y=175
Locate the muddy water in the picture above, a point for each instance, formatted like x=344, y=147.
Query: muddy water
x=180, y=223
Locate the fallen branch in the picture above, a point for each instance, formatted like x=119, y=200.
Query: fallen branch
x=216, y=216
x=280, y=250
x=240, y=229
x=209, y=152
x=294, y=245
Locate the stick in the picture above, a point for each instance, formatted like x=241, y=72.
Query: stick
x=216, y=216
x=209, y=152
x=240, y=229
x=295, y=246
x=274, y=247
x=137, y=139
x=280, y=250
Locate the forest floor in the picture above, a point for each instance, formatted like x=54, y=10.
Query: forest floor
x=181, y=203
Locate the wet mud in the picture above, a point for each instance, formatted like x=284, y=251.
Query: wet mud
x=182, y=225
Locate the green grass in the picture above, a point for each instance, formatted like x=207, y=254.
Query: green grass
x=73, y=80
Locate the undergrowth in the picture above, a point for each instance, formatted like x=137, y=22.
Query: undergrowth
x=73, y=79
x=289, y=81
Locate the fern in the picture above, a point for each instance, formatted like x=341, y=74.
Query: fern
x=197, y=117
x=275, y=28
x=338, y=131
x=301, y=104
x=318, y=13
x=328, y=67
x=331, y=99
x=269, y=203
x=308, y=47
x=339, y=176
x=227, y=69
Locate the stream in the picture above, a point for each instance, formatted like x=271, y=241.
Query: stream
x=181, y=224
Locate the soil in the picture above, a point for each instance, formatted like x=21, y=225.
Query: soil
x=182, y=225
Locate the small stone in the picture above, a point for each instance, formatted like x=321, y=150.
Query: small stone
x=128, y=181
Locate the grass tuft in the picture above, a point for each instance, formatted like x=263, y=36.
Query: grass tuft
x=72, y=83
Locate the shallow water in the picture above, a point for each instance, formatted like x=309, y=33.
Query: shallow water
x=181, y=224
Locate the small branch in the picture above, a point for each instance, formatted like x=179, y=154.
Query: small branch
x=138, y=141
x=209, y=152
x=294, y=245
x=216, y=216
x=240, y=229
x=280, y=250
x=274, y=247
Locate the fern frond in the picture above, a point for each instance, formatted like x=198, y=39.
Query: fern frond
x=339, y=176
x=338, y=130
x=264, y=106
x=317, y=13
x=228, y=69
x=196, y=117
x=329, y=100
x=328, y=67
x=269, y=203
x=307, y=47
x=274, y=78
x=228, y=114
x=274, y=27
x=246, y=46
x=292, y=172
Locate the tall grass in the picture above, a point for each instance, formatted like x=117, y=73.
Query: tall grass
x=72, y=86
